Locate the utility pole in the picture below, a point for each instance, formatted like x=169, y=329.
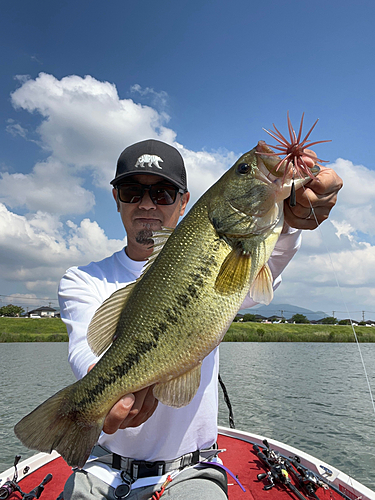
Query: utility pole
x=363, y=316
x=333, y=314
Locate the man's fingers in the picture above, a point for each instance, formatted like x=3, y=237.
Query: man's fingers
x=131, y=410
x=314, y=201
x=321, y=190
x=118, y=413
x=307, y=197
x=144, y=406
x=326, y=182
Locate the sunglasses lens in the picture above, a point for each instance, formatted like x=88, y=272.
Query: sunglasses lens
x=159, y=194
x=130, y=193
x=163, y=195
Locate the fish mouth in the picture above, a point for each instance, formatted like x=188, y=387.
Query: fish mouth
x=274, y=168
x=269, y=163
x=277, y=171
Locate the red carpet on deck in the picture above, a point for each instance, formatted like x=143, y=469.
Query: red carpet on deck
x=60, y=471
x=243, y=462
x=239, y=458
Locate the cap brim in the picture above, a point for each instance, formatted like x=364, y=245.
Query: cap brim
x=118, y=180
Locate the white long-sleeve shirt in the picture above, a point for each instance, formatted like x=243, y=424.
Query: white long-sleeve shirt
x=170, y=432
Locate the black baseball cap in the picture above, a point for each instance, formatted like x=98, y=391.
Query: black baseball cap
x=151, y=157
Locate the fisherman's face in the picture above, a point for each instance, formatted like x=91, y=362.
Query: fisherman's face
x=143, y=217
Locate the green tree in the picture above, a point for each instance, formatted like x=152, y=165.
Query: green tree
x=299, y=318
x=249, y=317
x=330, y=320
x=344, y=322
x=11, y=310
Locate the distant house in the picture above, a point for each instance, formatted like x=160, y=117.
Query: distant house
x=275, y=319
x=42, y=312
x=260, y=318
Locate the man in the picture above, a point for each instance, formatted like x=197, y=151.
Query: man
x=150, y=191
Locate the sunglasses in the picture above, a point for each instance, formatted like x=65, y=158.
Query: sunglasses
x=160, y=194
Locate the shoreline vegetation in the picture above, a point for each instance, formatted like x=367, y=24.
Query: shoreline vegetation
x=53, y=330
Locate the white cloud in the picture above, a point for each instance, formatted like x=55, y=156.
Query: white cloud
x=332, y=276
x=158, y=99
x=356, y=203
x=15, y=129
x=85, y=123
x=343, y=228
x=26, y=300
x=204, y=168
x=37, y=249
x=50, y=187
x=84, y=126
x=335, y=267
x=89, y=239
x=352, y=267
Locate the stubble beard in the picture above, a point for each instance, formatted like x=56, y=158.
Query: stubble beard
x=144, y=237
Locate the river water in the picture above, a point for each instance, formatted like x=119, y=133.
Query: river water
x=312, y=396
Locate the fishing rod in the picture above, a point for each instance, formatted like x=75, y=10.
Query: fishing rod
x=312, y=477
x=12, y=485
x=36, y=492
x=277, y=472
x=306, y=479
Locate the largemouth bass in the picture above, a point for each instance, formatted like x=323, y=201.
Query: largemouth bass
x=161, y=327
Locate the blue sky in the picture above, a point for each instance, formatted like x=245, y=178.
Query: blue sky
x=79, y=81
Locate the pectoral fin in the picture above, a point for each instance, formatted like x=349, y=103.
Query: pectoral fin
x=179, y=391
x=261, y=290
x=234, y=272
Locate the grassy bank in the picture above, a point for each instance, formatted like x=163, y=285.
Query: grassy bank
x=261, y=332
x=32, y=330
x=53, y=330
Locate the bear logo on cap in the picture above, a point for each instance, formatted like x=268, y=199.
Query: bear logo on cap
x=150, y=160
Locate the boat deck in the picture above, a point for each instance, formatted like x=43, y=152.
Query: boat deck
x=239, y=458
x=243, y=462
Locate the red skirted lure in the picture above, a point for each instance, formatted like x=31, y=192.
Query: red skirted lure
x=297, y=155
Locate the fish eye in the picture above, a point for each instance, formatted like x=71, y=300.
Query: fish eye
x=243, y=168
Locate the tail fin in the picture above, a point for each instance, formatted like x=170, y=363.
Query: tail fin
x=58, y=425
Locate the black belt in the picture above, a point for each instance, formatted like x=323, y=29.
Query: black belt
x=136, y=469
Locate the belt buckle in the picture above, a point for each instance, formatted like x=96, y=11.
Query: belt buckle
x=141, y=468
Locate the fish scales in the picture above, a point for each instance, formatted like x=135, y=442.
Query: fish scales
x=165, y=323
x=191, y=282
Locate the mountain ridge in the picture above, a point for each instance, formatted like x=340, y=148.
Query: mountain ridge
x=287, y=310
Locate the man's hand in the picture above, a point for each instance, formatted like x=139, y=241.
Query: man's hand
x=321, y=193
x=131, y=410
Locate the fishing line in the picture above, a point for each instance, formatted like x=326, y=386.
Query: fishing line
x=344, y=303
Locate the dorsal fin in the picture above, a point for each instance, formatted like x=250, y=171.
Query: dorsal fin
x=102, y=328
x=104, y=323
